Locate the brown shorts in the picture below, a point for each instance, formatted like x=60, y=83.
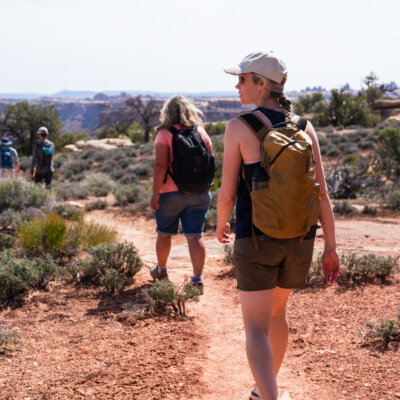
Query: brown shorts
x=278, y=262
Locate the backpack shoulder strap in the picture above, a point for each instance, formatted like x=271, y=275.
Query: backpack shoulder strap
x=255, y=124
x=301, y=122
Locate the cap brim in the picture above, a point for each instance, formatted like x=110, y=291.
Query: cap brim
x=235, y=70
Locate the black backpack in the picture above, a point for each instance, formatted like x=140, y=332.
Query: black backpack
x=193, y=166
x=47, y=153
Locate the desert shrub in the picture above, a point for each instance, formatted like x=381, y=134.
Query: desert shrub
x=356, y=269
x=117, y=173
x=17, y=194
x=163, y=294
x=99, y=184
x=128, y=179
x=100, y=155
x=71, y=190
x=128, y=194
x=366, y=268
x=123, y=162
x=11, y=219
x=146, y=149
x=112, y=266
x=332, y=151
x=141, y=169
x=343, y=208
x=6, y=241
x=366, y=145
x=8, y=339
x=386, y=329
x=86, y=154
x=211, y=219
x=68, y=211
x=24, y=163
x=77, y=166
x=96, y=205
x=369, y=210
x=392, y=200
x=17, y=276
x=108, y=166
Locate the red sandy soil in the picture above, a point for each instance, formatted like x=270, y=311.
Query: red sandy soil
x=80, y=344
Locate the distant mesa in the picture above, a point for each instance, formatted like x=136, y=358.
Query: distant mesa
x=101, y=97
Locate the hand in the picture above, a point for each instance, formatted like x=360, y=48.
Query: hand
x=223, y=233
x=32, y=175
x=331, y=265
x=154, y=201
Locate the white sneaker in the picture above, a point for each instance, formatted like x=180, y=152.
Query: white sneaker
x=255, y=394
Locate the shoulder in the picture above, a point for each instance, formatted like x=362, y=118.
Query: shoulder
x=163, y=136
x=13, y=151
x=203, y=133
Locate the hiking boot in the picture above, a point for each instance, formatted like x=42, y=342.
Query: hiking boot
x=156, y=274
x=199, y=285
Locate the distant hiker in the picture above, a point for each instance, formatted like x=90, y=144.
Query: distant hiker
x=183, y=173
x=270, y=265
x=42, y=167
x=9, y=159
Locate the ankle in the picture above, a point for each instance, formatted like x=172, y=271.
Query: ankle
x=162, y=269
x=197, y=278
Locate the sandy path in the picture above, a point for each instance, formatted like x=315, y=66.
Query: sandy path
x=218, y=317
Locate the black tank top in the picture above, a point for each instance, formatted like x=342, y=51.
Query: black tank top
x=243, y=199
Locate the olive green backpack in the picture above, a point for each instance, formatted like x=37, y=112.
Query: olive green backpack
x=289, y=205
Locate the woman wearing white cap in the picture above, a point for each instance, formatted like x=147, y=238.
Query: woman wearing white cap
x=267, y=276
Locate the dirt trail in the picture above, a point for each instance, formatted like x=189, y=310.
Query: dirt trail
x=217, y=316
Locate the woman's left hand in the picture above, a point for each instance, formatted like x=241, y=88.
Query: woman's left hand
x=331, y=265
x=154, y=201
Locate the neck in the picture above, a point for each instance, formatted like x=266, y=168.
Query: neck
x=269, y=102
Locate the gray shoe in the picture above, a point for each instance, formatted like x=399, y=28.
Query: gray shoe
x=155, y=274
x=199, y=286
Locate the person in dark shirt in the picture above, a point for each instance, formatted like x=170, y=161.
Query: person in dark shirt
x=42, y=166
x=266, y=276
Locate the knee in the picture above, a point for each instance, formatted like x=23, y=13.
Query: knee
x=195, y=240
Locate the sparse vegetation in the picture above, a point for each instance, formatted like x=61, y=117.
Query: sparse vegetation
x=386, y=329
x=343, y=208
x=163, y=294
x=8, y=339
x=96, y=205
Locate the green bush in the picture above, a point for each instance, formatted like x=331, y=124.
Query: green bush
x=11, y=219
x=112, y=266
x=8, y=339
x=99, y=184
x=53, y=236
x=387, y=329
x=96, y=205
x=343, y=208
x=18, y=194
x=6, y=241
x=16, y=276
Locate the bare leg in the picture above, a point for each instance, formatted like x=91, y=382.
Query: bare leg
x=256, y=310
x=197, y=251
x=279, y=330
x=163, y=247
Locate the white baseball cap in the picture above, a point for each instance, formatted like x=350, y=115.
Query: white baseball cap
x=42, y=131
x=265, y=64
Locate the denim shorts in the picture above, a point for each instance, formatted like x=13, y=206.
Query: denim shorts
x=191, y=209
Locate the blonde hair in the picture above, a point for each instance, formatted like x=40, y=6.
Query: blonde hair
x=179, y=110
x=276, y=90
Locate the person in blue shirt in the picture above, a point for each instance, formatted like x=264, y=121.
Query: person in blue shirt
x=9, y=159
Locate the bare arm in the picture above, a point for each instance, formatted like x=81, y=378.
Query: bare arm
x=230, y=177
x=34, y=159
x=161, y=164
x=330, y=259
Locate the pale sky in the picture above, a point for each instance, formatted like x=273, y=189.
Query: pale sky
x=181, y=46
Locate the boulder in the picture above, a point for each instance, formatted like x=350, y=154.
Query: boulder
x=117, y=142
x=71, y=148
